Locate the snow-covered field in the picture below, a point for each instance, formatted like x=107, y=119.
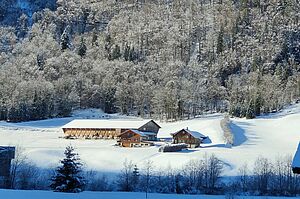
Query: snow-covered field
x=14, y=194
x=269, y=136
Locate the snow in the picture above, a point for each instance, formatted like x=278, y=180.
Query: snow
x=270, y=136
x=91, y=123
x=18, y=194
x=142, y=133
x=195, y=134
x=296, y=160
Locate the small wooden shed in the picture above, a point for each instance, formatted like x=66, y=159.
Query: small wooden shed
x=296, y=161
x=192, y=138
x=135, y=138
x=6, y=155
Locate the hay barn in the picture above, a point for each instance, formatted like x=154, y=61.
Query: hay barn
x=108, y=129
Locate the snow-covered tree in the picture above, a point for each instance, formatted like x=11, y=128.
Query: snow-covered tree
x=68, y=176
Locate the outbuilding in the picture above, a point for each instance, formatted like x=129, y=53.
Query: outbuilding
x=192, y=138
x=6, y=155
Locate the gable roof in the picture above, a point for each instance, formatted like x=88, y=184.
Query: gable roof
x=296, y=160
x=154, y=123
x=141, y=133
x=106, y=124
x=195, y=134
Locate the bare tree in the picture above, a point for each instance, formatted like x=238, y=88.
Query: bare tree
x=147, y=176
x=125, y=178
x=17, y=163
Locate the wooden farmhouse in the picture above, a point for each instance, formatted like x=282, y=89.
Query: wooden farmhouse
x=6, y=155
x=135, y=138
x=192, y=138
x=108, y=129
x=296, y=161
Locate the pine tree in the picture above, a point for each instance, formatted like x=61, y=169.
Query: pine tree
x=220, y=42
x=250, y=113
x=68, y=178
x=116, y=53
x=64, y=40
x=82, y=48
x=178, y=186
x=132, y=55
x=127, y=53
x=135, y=176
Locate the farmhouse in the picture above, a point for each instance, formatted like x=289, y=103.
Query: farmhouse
x=108, y=129
x=6, y=155
x=296, y=161
x=135, y=138
x=191, y=138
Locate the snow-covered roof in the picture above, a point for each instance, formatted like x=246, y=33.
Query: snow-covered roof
x=296, y=160
x=142, y=133
x=195, y=134
x=106, y=124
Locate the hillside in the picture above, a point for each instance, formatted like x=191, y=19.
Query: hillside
x=171, y=59
x=269, y=136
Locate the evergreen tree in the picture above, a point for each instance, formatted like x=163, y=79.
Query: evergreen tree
x=178, y=186
x=127, y=53
x=135, y=176
x=40, y=61
x=250, y=113
x=116, y=53
x=13, y=114
x=82, y=48
x=132, y=55
x=64, y=40
x=3, y=111
x=68, y=178
x=220, y=42
x=258, y=103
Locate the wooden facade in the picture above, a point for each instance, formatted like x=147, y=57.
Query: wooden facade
x=99, y=130
x=93, y=133
x=150, y=126
x=134, y=138
x=191, y=138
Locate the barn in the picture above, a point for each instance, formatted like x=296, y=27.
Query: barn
x=6, y=155
x=135, y=138
x=296, y=161
x=108, y=129
x=186, y=136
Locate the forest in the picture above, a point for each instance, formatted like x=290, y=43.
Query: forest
x=166, y=59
